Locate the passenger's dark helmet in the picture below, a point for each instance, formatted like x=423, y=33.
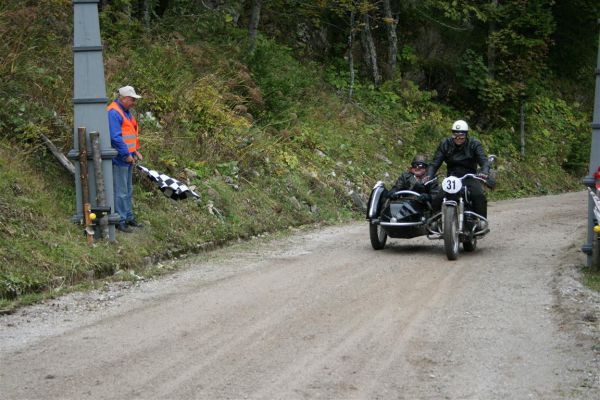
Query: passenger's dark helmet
x=419, y=160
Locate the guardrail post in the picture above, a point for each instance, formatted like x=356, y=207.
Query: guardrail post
x=89, y=101
x=590, y=180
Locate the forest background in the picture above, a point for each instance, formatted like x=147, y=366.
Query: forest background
x=279, y=114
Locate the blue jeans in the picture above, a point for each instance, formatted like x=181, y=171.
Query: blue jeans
x=123, y=191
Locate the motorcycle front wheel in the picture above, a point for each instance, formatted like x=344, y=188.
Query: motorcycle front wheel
x=451, y=233
x=378, y=236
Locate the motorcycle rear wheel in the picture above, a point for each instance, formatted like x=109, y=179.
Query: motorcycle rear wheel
x=378, y=236
x=451, y=241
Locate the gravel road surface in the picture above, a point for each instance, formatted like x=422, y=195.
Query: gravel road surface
x=320, y=315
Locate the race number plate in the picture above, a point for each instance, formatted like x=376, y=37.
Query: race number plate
x=451, y=184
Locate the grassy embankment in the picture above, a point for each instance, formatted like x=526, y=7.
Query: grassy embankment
x=269, y=142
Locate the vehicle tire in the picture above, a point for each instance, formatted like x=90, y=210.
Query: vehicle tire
x=451, y=242
x=470, y=245
x=378, y=236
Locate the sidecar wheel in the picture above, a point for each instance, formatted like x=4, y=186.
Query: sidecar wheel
x=378, y=236
x=451, y=233
x=470, y=245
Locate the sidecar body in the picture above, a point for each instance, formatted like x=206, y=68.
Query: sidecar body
x=401, y=216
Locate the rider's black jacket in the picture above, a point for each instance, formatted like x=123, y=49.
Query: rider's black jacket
x=408, y=181
x=460, y=160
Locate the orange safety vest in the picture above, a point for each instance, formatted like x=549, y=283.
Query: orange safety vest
x=129, y=128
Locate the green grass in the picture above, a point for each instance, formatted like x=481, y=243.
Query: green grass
x=591, y=278
x=272, y=142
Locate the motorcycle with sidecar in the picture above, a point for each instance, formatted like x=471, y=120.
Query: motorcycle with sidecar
x=402, y=215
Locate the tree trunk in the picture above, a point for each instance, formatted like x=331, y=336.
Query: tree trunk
x=146, y=13
x=369, y=50
x=522, y=127
x=253, y=28
x=212, y=4
x=390, y=23
x=351, y=55
x=162, y=7
x=491, y=50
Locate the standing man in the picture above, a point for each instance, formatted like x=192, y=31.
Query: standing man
x=124, y=138
x=462, y=154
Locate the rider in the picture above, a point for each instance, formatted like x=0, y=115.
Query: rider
x=462, y=154
x=415, y=178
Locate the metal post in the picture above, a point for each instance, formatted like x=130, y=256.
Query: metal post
x=89, y=99
x=594, y=162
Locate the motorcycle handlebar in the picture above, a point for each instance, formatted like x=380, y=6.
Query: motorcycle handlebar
x=474, y=177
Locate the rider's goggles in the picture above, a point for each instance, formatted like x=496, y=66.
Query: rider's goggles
x=459, y=135
x=419, y=165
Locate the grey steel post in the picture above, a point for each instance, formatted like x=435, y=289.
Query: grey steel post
x=594, y=162
x=89, y=100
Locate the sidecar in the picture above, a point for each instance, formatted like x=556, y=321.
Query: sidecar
x=402, y=217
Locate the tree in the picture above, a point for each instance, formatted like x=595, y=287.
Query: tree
x=369, y=49
x=391, y=24
x=491, y=51
x=573, y=55
x=351, y=54
x=253, y=28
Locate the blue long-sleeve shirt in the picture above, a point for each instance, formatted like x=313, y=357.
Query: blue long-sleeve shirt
x=115, y=121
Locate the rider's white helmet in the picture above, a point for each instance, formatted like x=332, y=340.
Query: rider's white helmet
x=460, y=126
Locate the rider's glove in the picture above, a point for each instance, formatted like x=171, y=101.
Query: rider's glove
x=482, y=176
x=423, y=198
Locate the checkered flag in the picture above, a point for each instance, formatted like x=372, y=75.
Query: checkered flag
x=170, y=187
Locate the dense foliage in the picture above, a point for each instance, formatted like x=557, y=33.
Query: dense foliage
x=278, y=129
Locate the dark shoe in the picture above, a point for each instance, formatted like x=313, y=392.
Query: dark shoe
x=134, y=223
x=124, y=228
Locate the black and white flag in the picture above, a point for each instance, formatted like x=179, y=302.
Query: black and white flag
x=169, y=186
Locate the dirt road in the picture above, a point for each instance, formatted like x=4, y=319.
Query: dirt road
x=320, y=315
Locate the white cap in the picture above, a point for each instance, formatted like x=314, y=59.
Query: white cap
x=128, y=91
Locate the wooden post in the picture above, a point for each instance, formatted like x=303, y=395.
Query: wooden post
x=595, y=264
x=100, y=193
x=85, y=192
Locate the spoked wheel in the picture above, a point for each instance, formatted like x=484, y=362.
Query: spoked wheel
x=378, y=236
x=451, y=233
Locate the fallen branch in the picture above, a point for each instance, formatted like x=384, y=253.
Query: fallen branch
x=62, y=159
